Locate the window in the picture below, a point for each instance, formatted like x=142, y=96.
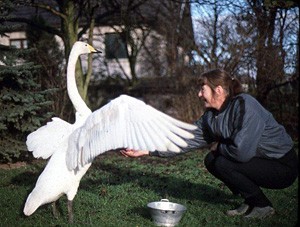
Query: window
x=115, y=46
x=18, y=43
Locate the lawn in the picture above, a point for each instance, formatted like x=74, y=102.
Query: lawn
x=116, y=190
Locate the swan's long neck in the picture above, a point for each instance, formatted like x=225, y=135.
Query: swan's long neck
x=74, y=95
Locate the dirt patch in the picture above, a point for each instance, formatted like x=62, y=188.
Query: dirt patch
x=20, y=164
x=13, y=165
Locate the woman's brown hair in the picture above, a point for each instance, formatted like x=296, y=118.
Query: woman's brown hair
x=216, y=77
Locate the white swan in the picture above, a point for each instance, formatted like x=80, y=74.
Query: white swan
x=125, y=122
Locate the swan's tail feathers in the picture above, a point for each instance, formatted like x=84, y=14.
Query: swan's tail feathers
x=32, y=203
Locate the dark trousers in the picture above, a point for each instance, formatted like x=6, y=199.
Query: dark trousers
x=247, y=178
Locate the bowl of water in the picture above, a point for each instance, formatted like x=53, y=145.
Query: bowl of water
x=166, y=213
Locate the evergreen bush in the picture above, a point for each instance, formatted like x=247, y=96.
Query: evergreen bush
x=23, y=105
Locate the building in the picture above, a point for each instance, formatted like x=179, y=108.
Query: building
x=138, y=38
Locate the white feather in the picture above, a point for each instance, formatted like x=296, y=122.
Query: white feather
x=104, y=130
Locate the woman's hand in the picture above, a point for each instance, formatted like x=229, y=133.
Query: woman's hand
x=214, y=148
x=134, y=153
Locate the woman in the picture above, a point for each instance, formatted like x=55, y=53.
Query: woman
x=252, y=150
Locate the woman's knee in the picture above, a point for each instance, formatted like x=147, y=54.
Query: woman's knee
x=214, y=163
x=218, y=166
x=223, y=164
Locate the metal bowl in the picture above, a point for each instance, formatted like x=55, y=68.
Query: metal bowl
x=165, y=213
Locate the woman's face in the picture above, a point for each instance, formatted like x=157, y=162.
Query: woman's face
x=212, y=99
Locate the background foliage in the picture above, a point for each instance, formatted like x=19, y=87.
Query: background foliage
x=22, y=101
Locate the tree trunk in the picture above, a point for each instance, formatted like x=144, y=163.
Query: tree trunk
x=266, y=52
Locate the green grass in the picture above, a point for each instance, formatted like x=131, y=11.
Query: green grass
x=116, y=190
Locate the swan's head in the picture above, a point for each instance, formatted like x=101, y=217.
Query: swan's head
x=84, y=48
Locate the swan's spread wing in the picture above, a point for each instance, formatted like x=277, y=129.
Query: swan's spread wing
x=47, y=139
x=126, y=122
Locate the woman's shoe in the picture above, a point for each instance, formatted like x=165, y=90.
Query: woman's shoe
x=242, y=209
x=261, y=212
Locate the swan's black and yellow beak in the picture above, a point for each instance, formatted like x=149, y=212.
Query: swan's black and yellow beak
x=93, y=50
